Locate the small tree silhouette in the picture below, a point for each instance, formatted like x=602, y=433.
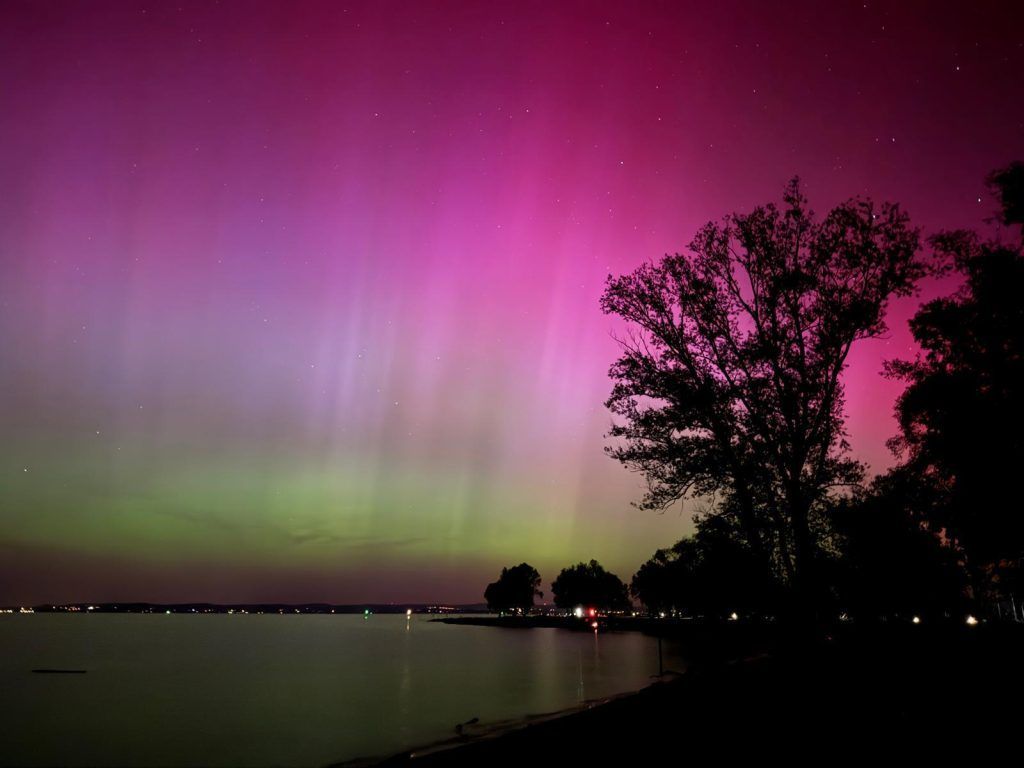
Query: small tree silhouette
x=514, y=590
x=589, y=584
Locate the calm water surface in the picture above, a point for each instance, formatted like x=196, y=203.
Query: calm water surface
x=221, y=690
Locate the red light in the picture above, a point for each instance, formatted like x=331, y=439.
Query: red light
x=592, y=613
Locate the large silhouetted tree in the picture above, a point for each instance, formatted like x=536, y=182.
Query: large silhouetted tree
x=962, y=415
x=730, y=381
x=589, y=584
x=514, y=590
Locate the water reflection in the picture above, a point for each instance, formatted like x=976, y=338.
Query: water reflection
x=285, y=690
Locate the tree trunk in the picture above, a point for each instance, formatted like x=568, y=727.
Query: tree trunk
x=803, y=556
x=748, y=521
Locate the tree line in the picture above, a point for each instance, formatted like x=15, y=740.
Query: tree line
x=729, y=393
x=583, y=584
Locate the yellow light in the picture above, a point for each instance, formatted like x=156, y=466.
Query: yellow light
x=734, y=616
x=408, y=613
x=916, y=619
x=971, y=621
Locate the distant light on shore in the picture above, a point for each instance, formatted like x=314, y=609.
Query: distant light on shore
x=971, y=621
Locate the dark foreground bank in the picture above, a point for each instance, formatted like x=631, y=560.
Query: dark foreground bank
x=874, y=693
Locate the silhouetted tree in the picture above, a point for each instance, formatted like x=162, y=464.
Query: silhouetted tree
x=514, y=590
x=892, y=564
x=730, y=381
x=1007, y=184
x=712, y=574
x=961, y=416
x=589, y=584
x=664, y=582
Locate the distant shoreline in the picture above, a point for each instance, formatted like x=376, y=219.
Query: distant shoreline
x=251, y=608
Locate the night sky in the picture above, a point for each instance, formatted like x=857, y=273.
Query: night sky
x=299, y=301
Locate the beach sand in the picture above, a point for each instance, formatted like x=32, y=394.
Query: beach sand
x=864, y=694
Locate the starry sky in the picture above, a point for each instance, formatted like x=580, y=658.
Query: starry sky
x=299, y=300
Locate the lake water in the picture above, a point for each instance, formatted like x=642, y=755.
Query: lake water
x=251, y=690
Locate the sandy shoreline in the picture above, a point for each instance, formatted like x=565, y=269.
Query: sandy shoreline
x=478, y=732
x=865, y=692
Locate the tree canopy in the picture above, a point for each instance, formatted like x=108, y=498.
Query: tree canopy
x=1007, y=184
x=729, y=385
x=961, y=416
x=889, y=563
x=589, y=584
x=710, y=574
x=515, y=589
